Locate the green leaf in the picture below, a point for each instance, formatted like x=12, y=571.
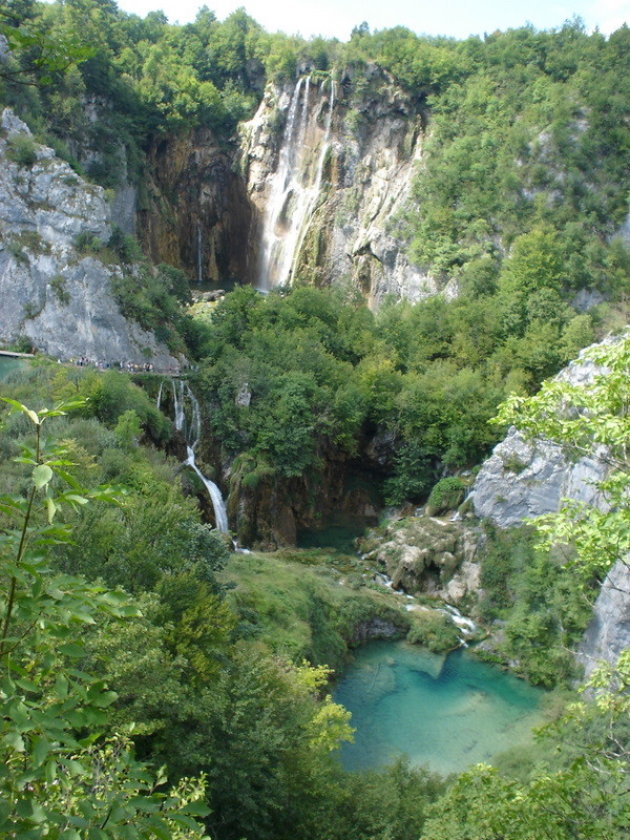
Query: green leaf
x=41, y=749
x=42, y=475
x=72, y=650
x=160, y=828
x=19, y=407
x=69, y=479
x=51, y=509
x=61, y=683
x=14, y=740
x=73, y=497
x=51, y=771
x=198, y=809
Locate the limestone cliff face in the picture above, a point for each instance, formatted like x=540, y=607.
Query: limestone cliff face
x=349, y=150
x=608, y=633
x=523, y=479
x=195, y=213
x=311, y=193
x=58, y=298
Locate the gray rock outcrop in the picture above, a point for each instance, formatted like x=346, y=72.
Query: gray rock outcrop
x=58, y=298
x=526, y=478
x=430, y=555
x=523, y=479
x=608, y=633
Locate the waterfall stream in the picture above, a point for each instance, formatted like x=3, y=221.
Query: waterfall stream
x=466, y=626
x=199, y=257
x=190, y=427
x=296, y=184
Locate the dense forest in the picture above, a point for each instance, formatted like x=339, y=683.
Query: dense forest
x=157, y=683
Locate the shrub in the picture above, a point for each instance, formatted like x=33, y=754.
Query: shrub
x=88, y=243
x=434, y=630
x=127, y=248
x=58, y=285
x=17, y=252
x=22, y=149
x=23, y=345
x=447, y=494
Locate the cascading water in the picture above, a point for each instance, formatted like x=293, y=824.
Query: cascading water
x=190, y=427
x=296, y=185
x=199, y=257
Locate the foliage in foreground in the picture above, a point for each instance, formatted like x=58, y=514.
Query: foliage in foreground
x=61, y=776
x=201, y=689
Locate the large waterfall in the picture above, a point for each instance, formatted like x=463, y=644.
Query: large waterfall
x=296, y=182
x=189, y=424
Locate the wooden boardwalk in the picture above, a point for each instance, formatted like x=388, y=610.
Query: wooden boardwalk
x=12, y=355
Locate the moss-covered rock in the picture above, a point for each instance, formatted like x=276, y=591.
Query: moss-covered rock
x=427, y=554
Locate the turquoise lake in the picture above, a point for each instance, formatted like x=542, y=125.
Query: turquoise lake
x=446, y=712
x=8, y=365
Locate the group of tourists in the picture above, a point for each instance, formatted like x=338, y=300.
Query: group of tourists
x=128, y=366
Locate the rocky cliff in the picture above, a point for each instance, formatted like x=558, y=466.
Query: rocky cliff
x=328, y=167
x=608, y=633
x=526, y=478
x=53, y=295
x=195, y=212
x=312, y=191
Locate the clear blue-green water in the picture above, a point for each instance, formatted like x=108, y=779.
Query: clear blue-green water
x=340, y=537
x=446, y=712
x=8, y=365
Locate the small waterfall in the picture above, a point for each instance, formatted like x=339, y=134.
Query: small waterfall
x=199, y=257
x=158, y=402
x=181, y=389
x=190, y=427
x=220, y=513
x=295, y=188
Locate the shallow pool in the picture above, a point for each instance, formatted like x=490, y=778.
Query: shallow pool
x=446, y=712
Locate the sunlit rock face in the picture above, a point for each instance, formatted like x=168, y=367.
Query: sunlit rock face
x=523, y=479
x=312, y=192
x=526, y=478
x=329, y=166
x=431, y=555
x=608, y=633
x=52, y=294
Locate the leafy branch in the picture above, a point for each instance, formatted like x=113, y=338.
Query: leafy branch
x=61, y=774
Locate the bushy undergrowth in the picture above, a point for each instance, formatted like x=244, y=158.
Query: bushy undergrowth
x=539, y=606
x=213, y=684
x=325, y=376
